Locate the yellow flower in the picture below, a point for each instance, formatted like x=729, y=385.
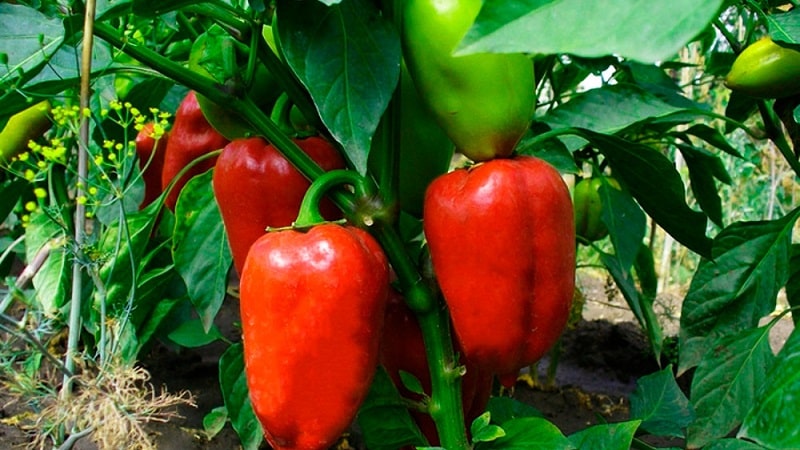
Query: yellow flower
x=40, y=192
x=81, y=200
x=29, y=175
x=31, y=206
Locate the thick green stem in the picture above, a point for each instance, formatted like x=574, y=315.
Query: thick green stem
x=309, y=214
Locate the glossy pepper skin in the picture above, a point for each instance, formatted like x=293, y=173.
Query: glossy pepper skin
x=484, y=101
x=502, y=241
x=766, y=70
x=588, y=207
x=256, y=187
x=191, y=137
x=30, y=123
x=403, y=348
x=312, y=307
x=150, y=151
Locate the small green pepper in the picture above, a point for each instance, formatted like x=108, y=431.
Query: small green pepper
x=766, y=70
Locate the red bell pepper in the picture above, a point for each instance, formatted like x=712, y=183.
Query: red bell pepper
x=312, y=307
x=151, y=161
x=191, y=137
x=502, y=243
x=256, y=187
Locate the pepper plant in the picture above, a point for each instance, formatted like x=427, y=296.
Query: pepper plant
x=458, y=127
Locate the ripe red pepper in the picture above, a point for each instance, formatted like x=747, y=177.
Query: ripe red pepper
x=312, y=305
x=256, y=187
x=151, y=161
x=502, y=244
x=191, y=137
x=403, y=348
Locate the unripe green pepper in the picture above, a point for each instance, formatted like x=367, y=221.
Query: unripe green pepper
x=502, y=242
x=589, y=208
x=766, y=70
x=23, y=126
x=484, y=102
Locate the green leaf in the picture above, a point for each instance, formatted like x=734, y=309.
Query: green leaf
x=153, y=322
x=233, y=384
x=503, y=409
x=608, y=109
x=704, y=167
x=785, y=27
x=508, y=27
x=52, y=280
x=641, y=306
x=192, y=334
x=483, y=431
x=200, y=247
x=732, y=444
x=215, y=421
x=661, y=405
x=637, y=166
x=10, y=193
x=384, y=418
x=28, y=38
x=625, y=221
x=726, y=382
x=529, y=433
x=608, y=436
x=773, y=421
x=124, y=242
x=713, y=137
x=411, y=382
x=348, y=57
x=738, y=287
x=793, y=284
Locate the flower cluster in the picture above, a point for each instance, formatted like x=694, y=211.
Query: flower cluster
x=110, y=161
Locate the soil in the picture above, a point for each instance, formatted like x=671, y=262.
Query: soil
x=601, y=359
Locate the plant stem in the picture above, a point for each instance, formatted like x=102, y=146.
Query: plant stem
x=80, y=210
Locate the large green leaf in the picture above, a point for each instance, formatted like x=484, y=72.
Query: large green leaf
x=661, y=405
x=233, y=384
x=793, y=284
x=785, y=27
x=590, y=29
x=384, y=417
x=607, y=436
x=123, y=244
x=726, y=382
x=773, y=421
x=609, y=109
x=528, y=433
x=625, y=221
x=652, y=179
x=738, y=287
x=348, y=57
x=200, y=248
x=52, y=280
x=28, y=38
x=704, y=168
